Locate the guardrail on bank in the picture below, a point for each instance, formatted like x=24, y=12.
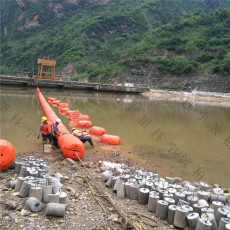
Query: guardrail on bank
x=33, y=82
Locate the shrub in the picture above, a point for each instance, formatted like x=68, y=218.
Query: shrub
x=178, y=65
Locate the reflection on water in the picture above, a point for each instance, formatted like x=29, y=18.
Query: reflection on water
x=179, y=139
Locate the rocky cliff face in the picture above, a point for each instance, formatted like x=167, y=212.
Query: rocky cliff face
x=150, y=76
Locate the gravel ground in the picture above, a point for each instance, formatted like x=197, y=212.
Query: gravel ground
x=82, y=210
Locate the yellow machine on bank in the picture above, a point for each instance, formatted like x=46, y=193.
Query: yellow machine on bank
x=46, y=69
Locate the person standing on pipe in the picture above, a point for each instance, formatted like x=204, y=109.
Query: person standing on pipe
x=56, y=132
x=83, y=136
x=46, y=129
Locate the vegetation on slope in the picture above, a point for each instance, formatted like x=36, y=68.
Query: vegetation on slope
x=93, y=36
x=193, y=43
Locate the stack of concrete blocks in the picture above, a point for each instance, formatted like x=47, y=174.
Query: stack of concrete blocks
x=34, y=181
x=197, y=206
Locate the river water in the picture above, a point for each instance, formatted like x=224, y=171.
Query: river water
x=182, y=139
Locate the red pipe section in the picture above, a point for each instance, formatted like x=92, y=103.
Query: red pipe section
x=68, y=143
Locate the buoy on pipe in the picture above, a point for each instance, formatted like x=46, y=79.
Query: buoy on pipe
x=110, y=139
x=84, y=124
x=97, y=131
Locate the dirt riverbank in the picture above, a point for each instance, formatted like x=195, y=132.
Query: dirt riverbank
x=193, y=96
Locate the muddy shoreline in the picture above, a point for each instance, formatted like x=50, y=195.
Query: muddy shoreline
x=189, y=96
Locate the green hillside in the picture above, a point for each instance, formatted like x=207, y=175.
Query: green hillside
x=191, y=44
x=90, y=34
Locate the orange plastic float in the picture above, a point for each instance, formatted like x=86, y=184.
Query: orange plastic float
x=66, y=141
x=7, y=154
x=81, y=118
x=63, y=110
x=84, y=124
x=57, y=102
x=63, y=105
x=50, y=99
x=110, y=139
x=97, y=131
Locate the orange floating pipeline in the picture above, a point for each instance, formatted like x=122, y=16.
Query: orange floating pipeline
x=66, y=141
x=7, y=154
x=110, y=139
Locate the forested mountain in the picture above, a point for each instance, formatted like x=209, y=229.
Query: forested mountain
x=104, y=36
x=196, y=43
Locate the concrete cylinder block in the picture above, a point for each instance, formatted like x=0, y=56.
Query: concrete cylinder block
x=223, y=223
x=62, y=197
x=152, y=202
x=203, y=225
x=171, y=213
x=180, y=219
x=134, y=192
x=121, y=190
x=221, y=212
x=162, y=209
x=143, y=196
x=19, y=183
x=192, y=220
x=34, y=204
x=36, y=192
x=46, y=189
x=54, y=209
x=25, y=189
x=53, y=198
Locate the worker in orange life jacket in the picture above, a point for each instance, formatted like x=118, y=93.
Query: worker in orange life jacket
x=56, y=132
x=46, y=129
x=83, y=136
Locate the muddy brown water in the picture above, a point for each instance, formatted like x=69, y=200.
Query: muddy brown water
x=182, y=139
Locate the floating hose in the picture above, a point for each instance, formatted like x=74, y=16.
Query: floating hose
x=66, y=141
